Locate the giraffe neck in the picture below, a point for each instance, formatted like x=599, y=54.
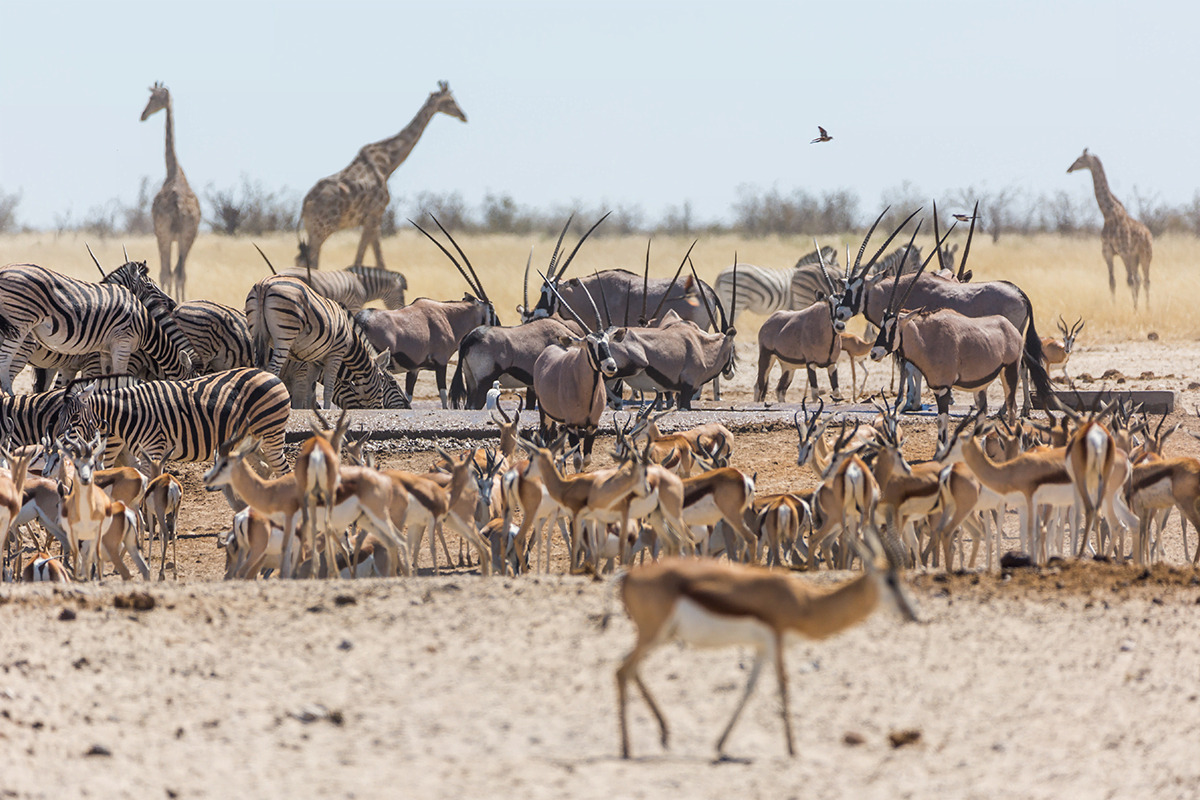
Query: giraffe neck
x=1104, y=196
x=391, y=153
x=172, y=162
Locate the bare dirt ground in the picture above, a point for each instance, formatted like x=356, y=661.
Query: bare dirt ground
x=1075, y=680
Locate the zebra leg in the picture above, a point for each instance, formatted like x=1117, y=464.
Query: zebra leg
x=333, y=365
x=14, y=355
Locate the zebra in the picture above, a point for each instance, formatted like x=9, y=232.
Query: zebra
x=135, y=276
x=27, y=418
x=288, y=319
x=178, y=420
x=219, y=334
x=214, y=335
x=72, y=316
x=354, y=287
x=52, y=369
x=763, y=290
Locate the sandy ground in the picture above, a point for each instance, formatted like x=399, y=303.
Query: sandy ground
x=1076, y=680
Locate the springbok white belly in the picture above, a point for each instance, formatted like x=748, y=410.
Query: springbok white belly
x=692, y=623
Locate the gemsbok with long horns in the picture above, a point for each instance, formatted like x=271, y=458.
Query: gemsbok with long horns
x=953, y=350
x=871, y=296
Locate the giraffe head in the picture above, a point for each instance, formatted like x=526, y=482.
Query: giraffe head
x=160, y=98
x=443, y=101
x=1085, y=161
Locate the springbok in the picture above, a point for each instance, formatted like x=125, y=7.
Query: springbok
x=711, y=604
x=1058, y=351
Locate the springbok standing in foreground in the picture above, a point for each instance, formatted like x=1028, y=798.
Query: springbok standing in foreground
x=712, y=604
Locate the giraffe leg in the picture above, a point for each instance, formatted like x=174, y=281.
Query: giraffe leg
x=164, y=256
x=185, y=246
x=1108, y=254
x=1132, y=277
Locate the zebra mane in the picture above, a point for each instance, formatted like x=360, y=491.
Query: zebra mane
x=828, y=253
x=104, y=383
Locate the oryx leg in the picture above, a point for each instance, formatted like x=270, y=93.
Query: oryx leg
x=439, y=375
x=765, y=359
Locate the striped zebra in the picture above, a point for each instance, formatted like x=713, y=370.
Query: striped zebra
x=219, y=334
x=52, y=369
x=135, y=276
x=66, y=315
x=763, y=290
x=179, y=420
x=287, y=319
x=215, y=335
x=354, y=287
x=27, y=418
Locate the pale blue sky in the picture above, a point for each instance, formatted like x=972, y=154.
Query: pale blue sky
x=639, y=103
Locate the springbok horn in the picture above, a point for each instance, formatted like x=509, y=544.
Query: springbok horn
x=264, y=256
x=667, y=293
x=962, y=265
x=1077, y=327
x=453, y=260
x=703, y=297
x=94, y=260
x=579, y=244
x=478, y=287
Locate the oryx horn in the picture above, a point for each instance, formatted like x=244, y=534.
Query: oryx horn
x=962, y=265
x=95, y=260
x=264, y=256
x=667, y=293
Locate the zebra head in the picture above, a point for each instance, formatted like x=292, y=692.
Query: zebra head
x=77, y=418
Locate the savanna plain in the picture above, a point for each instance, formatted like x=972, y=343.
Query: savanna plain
x=1079, y=679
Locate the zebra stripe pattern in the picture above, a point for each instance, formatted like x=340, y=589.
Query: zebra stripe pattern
x=26, y=418
x=219, y=335
x=763, y=290
x=180, y=420
x=135, y=276
x=287, y=319
x=71, y=316
x=354, y=287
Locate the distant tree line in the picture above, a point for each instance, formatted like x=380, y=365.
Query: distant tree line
x=251, y=209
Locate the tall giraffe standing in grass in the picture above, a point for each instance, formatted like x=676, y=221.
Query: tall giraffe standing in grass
x=176, y=211
x=358, y=195
x=1122, y=234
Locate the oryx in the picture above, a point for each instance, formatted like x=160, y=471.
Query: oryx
x=954, y=350
x=426, y=333
x=568, y=378
x=625, y=293
x=677, y=355
x=488, y=354
x=808, y=337
x=869, y=297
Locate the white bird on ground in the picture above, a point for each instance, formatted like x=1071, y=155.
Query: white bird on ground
x=493, y=396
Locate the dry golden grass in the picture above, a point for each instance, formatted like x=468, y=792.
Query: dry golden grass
x=1061, y=275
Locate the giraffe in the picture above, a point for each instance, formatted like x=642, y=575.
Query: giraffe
x=176, y=211
x=1122, y=234
x=358, y=195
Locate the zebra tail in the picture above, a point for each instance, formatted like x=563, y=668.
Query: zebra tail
x=258, y=331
